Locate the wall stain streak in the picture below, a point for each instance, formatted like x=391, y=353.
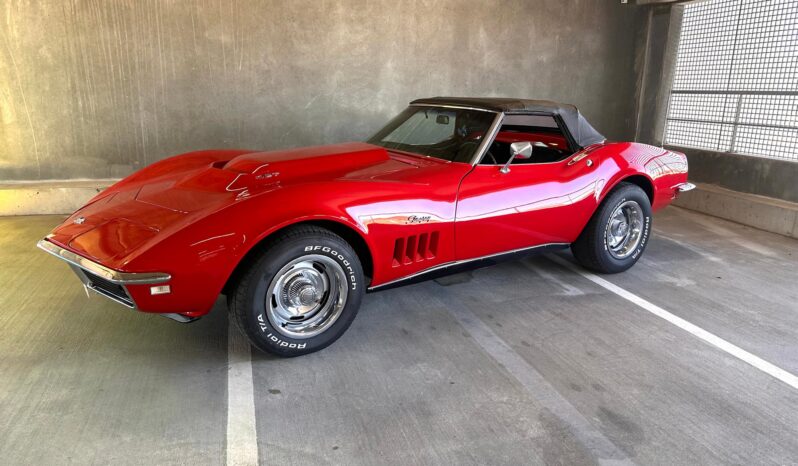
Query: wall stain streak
x=18, y=80
x=99, y=89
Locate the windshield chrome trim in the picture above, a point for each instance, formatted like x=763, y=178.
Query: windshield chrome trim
x=461, y=107
x=490, y=135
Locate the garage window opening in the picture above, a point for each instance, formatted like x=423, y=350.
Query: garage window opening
x=735, y=86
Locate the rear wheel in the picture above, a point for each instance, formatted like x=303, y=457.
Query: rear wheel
x=618, y=232
x=300, y=294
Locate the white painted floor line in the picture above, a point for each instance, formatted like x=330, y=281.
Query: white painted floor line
x=242, y=439
x=569, y=289
x=599, y=446
x=714, y=340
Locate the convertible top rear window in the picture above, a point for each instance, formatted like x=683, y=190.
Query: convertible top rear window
x=445, y=133
x=540, y=121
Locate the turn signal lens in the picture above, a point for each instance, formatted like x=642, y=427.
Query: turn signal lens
x=161, y=289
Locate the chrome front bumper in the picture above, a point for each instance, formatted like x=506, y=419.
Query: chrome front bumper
x=113, y=276
x=109, y=282
x=684, y=187
x=101, y=279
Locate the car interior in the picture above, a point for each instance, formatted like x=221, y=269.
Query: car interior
x=549, y=142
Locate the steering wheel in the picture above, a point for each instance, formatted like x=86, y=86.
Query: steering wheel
x=465, y=147
x=489, y=155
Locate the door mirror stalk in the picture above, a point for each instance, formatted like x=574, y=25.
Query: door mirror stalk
x=521, y=150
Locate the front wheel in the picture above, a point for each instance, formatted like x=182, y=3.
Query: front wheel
x=300, y=294
x=618, y=232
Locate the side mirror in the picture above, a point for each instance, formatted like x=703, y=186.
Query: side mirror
x=521, y=150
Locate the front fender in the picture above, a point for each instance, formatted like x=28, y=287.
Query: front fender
x=203, y=255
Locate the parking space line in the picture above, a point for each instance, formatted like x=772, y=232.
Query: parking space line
x=568, y=289
x=242, y=438
x=714, y=340
x=596, y=444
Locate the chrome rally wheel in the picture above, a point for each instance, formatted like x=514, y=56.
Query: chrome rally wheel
x=306, y=296
x=624, y=229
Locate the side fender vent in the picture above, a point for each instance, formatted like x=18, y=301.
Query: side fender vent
x=416, y=248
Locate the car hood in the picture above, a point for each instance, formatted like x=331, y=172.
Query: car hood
x=171, y=194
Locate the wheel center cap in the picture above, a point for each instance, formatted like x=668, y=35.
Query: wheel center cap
x=308, y=295
x=619, y=228
x=302, y=294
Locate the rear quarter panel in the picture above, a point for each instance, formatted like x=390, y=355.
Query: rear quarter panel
x=663, y=169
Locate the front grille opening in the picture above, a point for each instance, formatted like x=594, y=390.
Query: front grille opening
x=109, y=289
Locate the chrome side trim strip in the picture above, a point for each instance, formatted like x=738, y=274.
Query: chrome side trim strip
x=684, y=187
x=113, y=276
x=465, y=261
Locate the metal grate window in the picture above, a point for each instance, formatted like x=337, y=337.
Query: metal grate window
x=735, y=85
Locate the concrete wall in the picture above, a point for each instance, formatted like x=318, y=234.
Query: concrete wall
x=765, y=213
x=96, y=89
x=744, y=173
x=657, y=54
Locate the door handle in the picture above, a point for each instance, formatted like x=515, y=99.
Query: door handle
x=579, y=158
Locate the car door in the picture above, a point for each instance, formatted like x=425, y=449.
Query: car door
x=536, y=202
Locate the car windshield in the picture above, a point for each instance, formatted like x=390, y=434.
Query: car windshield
x=445, y=133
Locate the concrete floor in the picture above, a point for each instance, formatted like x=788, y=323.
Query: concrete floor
x=527, y=362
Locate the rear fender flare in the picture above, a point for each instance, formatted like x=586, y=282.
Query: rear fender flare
x=631, y=176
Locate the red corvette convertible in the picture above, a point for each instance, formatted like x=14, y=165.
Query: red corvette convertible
x=294, y=238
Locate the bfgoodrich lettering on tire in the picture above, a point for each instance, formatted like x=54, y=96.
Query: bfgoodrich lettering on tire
x=618, y=232
x=300, y=294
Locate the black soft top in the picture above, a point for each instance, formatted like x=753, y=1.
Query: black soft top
x=581, y=131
